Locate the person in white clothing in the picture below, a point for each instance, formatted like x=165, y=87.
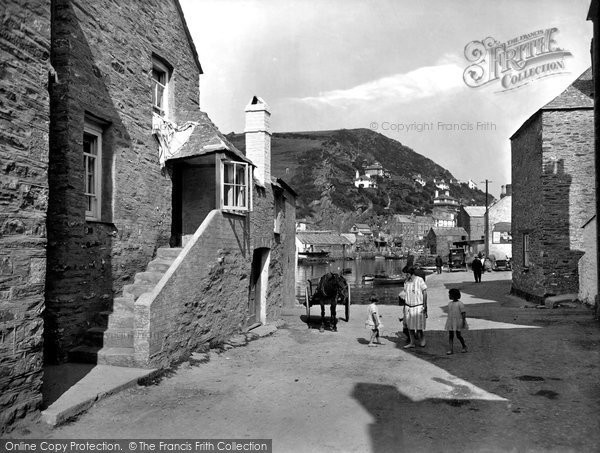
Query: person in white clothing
x=374, y=321
x=415, y=310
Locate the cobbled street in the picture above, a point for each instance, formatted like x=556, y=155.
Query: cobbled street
x=528, y=383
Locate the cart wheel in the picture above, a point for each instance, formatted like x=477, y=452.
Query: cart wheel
x=307, y=303
x=348, y=306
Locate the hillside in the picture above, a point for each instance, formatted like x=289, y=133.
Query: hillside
x=321, y=166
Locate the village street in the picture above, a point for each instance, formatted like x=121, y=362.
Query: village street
x=528, y=383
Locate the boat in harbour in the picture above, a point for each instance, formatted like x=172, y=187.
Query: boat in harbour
x=389, y=280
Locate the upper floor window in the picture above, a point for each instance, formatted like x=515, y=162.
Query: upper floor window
x=160, y=88
x=92, y=169
x=235, y=187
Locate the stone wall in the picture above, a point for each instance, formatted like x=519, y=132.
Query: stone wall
x=203, y=298
x=527, y=207
x=102, y=52
x=568, y=185
x=553, y=188
x=24, y=125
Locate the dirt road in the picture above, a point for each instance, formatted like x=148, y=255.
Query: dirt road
x=528, y=383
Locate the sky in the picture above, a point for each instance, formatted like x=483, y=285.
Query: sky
x=394, y=66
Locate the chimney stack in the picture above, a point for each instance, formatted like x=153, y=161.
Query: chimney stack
x=502, y=192
x=509, y=190
x=258, y=138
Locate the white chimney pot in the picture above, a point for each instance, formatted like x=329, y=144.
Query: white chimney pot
x=258, y=138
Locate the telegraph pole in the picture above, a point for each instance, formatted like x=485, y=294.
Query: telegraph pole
x=487, y=221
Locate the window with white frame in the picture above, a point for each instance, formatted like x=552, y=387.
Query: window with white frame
x=235, y=189
x=160, y=88
x=92, y=170
x=526, y=249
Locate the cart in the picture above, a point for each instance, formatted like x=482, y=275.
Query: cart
x=310, y=298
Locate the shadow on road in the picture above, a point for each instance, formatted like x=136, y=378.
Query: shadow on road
x=385, y=404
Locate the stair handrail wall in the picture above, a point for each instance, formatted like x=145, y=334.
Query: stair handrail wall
x=158, y=314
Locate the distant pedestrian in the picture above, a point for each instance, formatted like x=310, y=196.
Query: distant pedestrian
x=477, y=267
x=415, y=310
x=439, y=263
x=457, y=320
x=374, y=321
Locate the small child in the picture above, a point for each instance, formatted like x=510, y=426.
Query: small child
x=457, y=320
x=373, y=322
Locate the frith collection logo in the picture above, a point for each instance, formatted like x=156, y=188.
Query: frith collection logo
x=516, y=62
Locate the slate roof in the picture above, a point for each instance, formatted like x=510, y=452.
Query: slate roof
x=449, y=231
x=207, y=139
x=321, y=238
x=362, y=226
x=475, y=211
x=580, y=94
x=503, y=226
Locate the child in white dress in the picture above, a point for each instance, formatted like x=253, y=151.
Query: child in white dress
x=457, y=320
x=373, y=321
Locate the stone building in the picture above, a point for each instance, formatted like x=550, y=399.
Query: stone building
x=500, y=227
x=472, y=219
x=128, y=220
x=411, y=228
x=553, y=186
x=440, y=240
x=445, y=209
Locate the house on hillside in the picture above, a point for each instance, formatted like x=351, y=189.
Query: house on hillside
x=441, y=184
x=440, y=240
x=127, y=216
x=375, y=169
x=361, y=229
x=418, y=179
x=364, y=181
x=553, y=185
x=445, y=209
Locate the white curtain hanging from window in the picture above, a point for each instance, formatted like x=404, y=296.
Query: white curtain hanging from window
x=170, y=136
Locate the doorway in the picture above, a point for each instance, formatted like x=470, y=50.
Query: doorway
x=259, y=281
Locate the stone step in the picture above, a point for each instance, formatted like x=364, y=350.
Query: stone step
x=120, y=319
x=160, y=265
x=148, y=277
x=168, y=253
x=123, y=304
x=117, y=337
x=84, y=354
x=116, y=356
x=137, y=289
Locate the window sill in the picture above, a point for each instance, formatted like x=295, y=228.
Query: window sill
x=235, y=212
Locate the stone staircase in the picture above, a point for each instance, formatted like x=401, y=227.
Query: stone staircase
x=111, y=341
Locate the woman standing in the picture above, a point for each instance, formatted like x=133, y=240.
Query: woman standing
x=415, y=311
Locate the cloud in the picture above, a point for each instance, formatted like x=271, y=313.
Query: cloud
x=424, y=82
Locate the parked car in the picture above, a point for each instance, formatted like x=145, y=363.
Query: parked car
x=457, y=260
x=502, y=265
